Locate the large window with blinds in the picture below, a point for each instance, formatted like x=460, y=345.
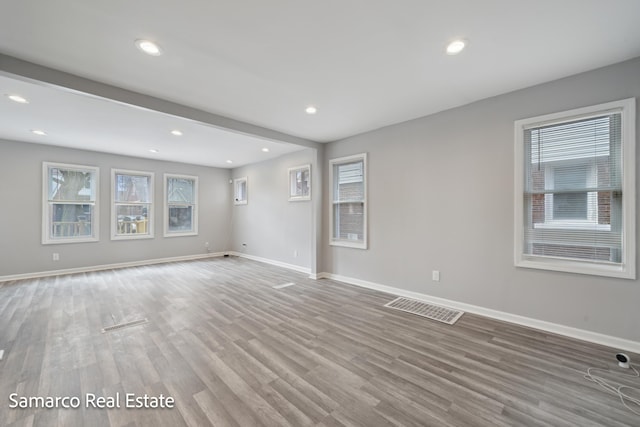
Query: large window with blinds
x=575, y=190
x=349, y=201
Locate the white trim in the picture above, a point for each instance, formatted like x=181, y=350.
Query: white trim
x=237, y=181
x=151, y=209
x=568, y=331
x=108, y=266
x=196, y=204
x=294, y=198
x=294, y=267
x=95, y=215
x=626, y=269
x=344, y=242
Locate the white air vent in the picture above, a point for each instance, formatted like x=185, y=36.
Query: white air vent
x=430, y=311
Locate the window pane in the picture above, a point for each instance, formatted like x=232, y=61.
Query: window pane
x=133, y=188
x=180, y=190
x=132, y=219
x=180, y=218
x=349, y=221
x=71, y=185
x=573, y=199
x=71, y=220
x=570, y=206
x=349, y=184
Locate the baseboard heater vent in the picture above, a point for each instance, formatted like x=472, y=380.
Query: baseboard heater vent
x=430, y=311
x=124, y=325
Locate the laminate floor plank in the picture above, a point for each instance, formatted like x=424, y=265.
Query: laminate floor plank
x=234, y=351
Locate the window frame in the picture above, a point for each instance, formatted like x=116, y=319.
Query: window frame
x=626, y=268
x=167, y=205
x=47, y=239
x=150, y=226
x=293, y=197
x=236, y=182
x=362, y=157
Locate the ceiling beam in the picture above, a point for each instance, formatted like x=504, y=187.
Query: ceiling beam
x=38, y=74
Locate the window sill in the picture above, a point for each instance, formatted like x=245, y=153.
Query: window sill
x=621, y=271
x=356, y=244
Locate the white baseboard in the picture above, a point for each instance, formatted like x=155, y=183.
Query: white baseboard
x=581, y=334
x=294, y=267
x=107, y=266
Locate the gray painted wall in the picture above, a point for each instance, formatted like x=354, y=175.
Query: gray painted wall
x=441, y=197
x=270, y=225
x=21, y=250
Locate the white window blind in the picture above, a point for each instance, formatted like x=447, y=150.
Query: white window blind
x=575, y=172
x=349, y=213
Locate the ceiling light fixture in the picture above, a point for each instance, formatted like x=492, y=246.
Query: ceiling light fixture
x=176, y=132
x=456, y=46
x=265, y=149
x=229, y=161
x=148, y=47
x=17, y=98
x=154, y=150
x=311, y=109
x=38, y=132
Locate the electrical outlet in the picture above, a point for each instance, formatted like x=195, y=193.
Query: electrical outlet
x=55, y=256
x=295, y=253
x=435, y=275
x=206, y=245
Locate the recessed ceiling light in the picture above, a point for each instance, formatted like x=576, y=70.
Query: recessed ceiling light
x=456, y=46
x=38, y=132
x=148, y=47
x=265, y=149
x=229, y=161
x=311, y=109
x=176, y=132
x=17, y=98
x=154, y=150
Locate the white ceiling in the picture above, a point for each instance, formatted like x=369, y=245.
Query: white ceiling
x=364, y=63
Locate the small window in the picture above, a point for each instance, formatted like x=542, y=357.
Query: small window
x=69, y=213
x=575, y=191
x=181, y=205
x=131, y=204
x=300, y=183
x=240, y=191
x=349, y=201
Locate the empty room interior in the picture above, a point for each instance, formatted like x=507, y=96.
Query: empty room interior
x=338, y=213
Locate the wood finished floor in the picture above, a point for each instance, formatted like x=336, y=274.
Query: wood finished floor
x=233, y=351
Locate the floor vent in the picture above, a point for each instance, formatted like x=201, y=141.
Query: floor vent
x=284, y=285
x=430, y=311
x=124, y=325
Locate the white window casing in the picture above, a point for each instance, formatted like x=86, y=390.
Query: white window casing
x=575, y=191
x=240, y=189
x=132, y=204
x=180, y=205
x=348, y=214
x=70, y=199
